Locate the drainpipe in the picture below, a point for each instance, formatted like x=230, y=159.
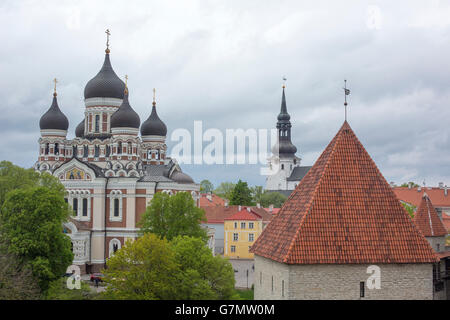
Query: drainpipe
x=106, y=200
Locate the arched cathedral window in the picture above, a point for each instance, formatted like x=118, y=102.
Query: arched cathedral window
x=86, y=152
x=47, y=148
x=96, y=151
x=56, y=148
x=97, y=123
x=119, y=147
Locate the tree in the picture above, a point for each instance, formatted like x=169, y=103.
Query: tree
x=171, y=216
x=275, y=198
x=143, y=269
x=16, y=280
x=203, y=276
x=257, y=192
x=413, y=184
x=410, y=208
x=58, y=291
x=31, y=222
x=224, y=190
x=241, y=195
x=206, y=186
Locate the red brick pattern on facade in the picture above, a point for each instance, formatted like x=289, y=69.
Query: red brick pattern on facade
x=343, y=211
x=427, y=219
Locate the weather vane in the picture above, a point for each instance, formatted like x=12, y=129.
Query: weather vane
x=284, y=82
x=154, y=96
x=346, y=93
x=55, y=81
x=126, y=83
x=107, y=40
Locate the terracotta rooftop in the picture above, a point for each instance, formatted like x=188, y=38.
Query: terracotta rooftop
x=208, y=200
x=343, y=211
x=218, y=214
x=427, y=219
x=414, y=195
x=244, y=214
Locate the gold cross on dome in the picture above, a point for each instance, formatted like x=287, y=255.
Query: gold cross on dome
x=55, y=81
x=154, y=96
x=107, y=38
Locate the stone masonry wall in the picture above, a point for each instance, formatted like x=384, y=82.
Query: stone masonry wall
x=341, y=282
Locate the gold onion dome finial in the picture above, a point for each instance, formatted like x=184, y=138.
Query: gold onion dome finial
x=284, y=82
x=54, y=90
x=108, y=33
x=126, y=84
x=154, y=97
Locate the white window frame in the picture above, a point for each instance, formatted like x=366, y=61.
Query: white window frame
x=251, y=225
x=111, y=246
x=80, y=195
x=251, y=237
x=231, y=249
x=115, y=194
x=235, y=237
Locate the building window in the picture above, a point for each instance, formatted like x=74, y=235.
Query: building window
x=295, y=161
x=438, y=247
x=272, y=284
x=130, y=150
x=242, y=225
x=119, y=148
x=157, y=155
x=47, y=148
x=235, y=236
x=251, y=237
x=75, y=206
x=116, y=207
x=115, y=210
x=108, y=150
x=235, y=225
x=86, y=152
x=97, y=123
x=114, y=245
x=361, y=289
x=85, y=207
x=282, y=167
x=250, y=225
x=56, y=149
x=96, y=151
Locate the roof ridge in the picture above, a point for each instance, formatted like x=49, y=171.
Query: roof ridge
x=332, y=153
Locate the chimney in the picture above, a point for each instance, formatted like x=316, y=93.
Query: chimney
x=419, y=188
x=226, y=203
x=249, y=209
x=445, y=190
x=441, y=185
x=409, y=185
x=239, y=208
x=258, y=205
x=209, y=196
x=392, y=184
x=271, y=208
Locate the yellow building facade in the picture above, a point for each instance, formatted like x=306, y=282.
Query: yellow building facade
x=240, y=232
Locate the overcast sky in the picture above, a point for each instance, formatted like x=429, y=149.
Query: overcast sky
x=222, y=62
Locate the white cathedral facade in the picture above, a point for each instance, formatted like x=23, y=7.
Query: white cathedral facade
x=110, y=170
x=284, y=164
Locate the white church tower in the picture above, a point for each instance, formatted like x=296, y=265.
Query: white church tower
x=283, y=163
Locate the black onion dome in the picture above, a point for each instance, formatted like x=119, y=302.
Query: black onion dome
x=79, y=130
x=106, y=84
x=181, y=177
x=284, y=147
x=125, y=116
x=54, y=118
x=153, y=126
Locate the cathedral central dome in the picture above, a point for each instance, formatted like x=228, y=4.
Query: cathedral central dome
x=106, y=84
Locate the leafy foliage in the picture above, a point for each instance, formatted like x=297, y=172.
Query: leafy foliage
x=275, y=198
x=154, y=268
x=224, y=190
x=58, y=291
x=257, y=192
x=16, y=280
x=413, y=184
x=206, y=186
x=143, y=269
x=241, y=195
x=171, y=216
x=31, y=228
x=410, y=208
x=203, y=276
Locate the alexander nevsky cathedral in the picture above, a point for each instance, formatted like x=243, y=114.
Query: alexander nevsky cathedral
x=110, y=170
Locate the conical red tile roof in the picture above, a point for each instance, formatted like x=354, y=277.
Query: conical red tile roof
x=343, y=211
x=427, y=219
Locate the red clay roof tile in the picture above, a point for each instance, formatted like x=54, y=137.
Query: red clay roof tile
x=343, y=211
x=427, y=219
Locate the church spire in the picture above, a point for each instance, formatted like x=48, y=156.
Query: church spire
x=284, y=147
